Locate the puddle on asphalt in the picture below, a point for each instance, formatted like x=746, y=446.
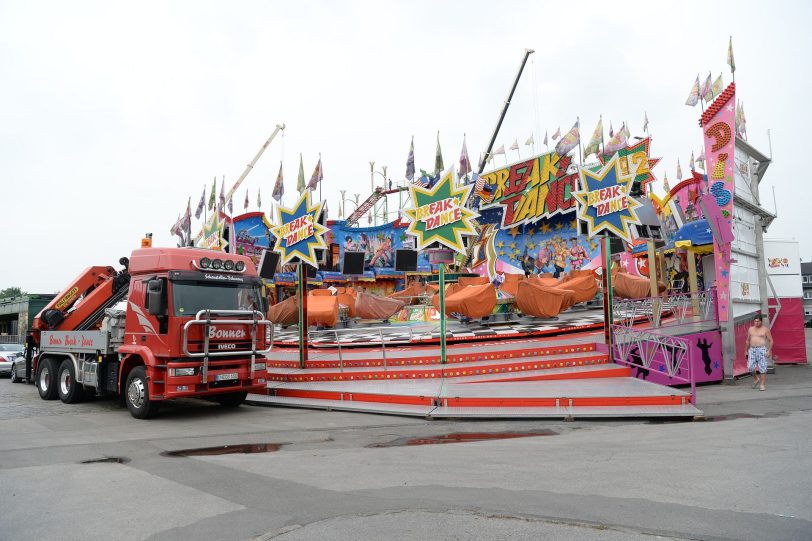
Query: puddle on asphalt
x=462, y=437
x=242, y=448
x=107, y=460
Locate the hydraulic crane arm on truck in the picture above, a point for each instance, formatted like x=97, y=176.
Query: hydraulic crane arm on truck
x=174, y=322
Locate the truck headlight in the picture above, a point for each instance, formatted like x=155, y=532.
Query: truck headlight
x=190, y=371
x=259, y=366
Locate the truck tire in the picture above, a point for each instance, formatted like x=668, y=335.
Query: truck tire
x=231, y=400
x=136, y=395
x=70, y=391
x=46, y=379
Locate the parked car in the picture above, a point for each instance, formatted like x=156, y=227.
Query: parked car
x=8, y=355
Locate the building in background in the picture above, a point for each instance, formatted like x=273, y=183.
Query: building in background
x=806, y=284
x=18, y=313
x=786, y=303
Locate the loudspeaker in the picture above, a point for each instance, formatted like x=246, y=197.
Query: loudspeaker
x=406, y=260
x=310, y=270
x=267, y=264
x=616, y=245
x=353, y=263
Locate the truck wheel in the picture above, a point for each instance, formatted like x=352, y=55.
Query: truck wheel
x=231, y=400
x=46, y=379
x=136, y=395
x=14, y=377
x=70, y=391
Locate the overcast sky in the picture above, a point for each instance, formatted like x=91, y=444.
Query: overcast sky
x=113, y=113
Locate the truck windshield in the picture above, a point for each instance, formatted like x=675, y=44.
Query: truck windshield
x=188, y=298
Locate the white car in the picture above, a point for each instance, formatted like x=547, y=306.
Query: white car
x=8, y=354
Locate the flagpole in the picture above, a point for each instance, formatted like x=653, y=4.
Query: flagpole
x=580, y=151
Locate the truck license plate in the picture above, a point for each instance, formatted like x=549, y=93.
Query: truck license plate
x=225, y=377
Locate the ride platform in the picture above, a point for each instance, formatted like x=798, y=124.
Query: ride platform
x=520, y=369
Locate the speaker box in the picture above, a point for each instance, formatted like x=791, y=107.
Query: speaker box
x=267, y=264
x=406, y=260
x=353, y=263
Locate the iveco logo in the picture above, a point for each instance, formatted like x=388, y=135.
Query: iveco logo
x=226, y=346
x=216, y=333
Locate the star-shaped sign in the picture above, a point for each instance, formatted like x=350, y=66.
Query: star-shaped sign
x=439, y=214
x=300, y=233
x=213, y=233
x=637, y=156
x=604, y=202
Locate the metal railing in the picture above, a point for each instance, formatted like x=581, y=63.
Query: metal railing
x=204, y=318
x=337, y=342
x=12, y=339
x=681, y=307
x=640, y=348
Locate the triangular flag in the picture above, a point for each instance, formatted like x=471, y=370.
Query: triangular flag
x=465, y=162
x=730, y=61
x=545, y=139
x=570, y=140
x=693, y=97
x=557, y=133
x=645, y=121
x=231, y=204
x=438, y=158
x=212, y=194
x=515, y=145
x=245, y=203
x=410, y=162
x=611, y=130
x=500, y=150
x=701, y=159
x=717, y=86
x=315, y=177
x=222, y=202
x=626, y=131
x=679, y=171
x=595, y=141
x=666, y=187
x=691, y=163
x=300, y=181
x=279, y=186
x=707, y=92
x=616, y=142
x=259, y=199
x=201, y=204
x=530, y=141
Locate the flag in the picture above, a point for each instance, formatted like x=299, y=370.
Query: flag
x=316, y=177
x=300, y=182
x=279, y=186
x=626, y=131
x=730, y=61
x=500, y=150
x=423, y=180
x=231, y=204
x=645, y=121
x=245, y=203
x=176, y=228
x=515, y=145
x=557, y=133
x=611, y=130
x=679, y=171
x=484, y=191
x=701, y=159
x=691, y=163
x=211, y=195
x=222, y=202
x=201, y=204
x=465, y=162
x=616, y=142
x=666, y=187
x=545, y=138
x=717, y=86
x=741, y=121
x=410, y=162
x=259, y=199
x=438, y=157
x=530, y=141
x=693, y=97
x=570, y=140
x=186, y=224
x=595, y=141
x=706, y=92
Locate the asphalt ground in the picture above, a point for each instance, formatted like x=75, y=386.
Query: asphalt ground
x=90, y=471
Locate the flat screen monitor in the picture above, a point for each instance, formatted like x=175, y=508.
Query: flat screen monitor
x=353, y=263
x=406, y=260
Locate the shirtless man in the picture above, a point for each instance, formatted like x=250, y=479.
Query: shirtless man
x=759, y=346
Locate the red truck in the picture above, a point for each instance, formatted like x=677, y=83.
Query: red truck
x=174, y=322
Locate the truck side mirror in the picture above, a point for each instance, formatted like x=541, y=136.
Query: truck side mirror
x=156, y=297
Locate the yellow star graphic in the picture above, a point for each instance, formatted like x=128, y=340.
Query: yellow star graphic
x=531, y=245
x=512, y=246
x=501, y=252
x=514, y=231
x=448, y=234
x=559, y=225
x=531, y=232
x=286, y=218
x=500, y=244
x=545, y=228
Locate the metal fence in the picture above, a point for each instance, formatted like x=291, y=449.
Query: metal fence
x=12, y=339
x=674, y=309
